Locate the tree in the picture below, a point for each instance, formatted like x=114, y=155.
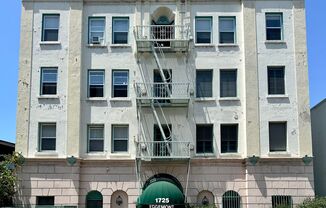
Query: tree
x=8, y=177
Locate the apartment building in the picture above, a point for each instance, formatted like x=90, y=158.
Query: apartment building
x=165, y=103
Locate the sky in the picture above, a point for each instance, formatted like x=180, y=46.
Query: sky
x=9, y=56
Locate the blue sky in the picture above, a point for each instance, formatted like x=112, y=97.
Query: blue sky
x=9, y=55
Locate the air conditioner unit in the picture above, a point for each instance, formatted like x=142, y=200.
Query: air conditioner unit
x=96, y=40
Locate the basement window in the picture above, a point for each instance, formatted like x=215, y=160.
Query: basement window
x=45, y=200
x=277, y=136
x=282, y=201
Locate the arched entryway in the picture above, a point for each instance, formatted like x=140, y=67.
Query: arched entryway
x=162, y=189
x=94, y=199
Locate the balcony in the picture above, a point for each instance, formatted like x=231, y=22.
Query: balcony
x=166, y=94
x=168, y=37
x=163, y=150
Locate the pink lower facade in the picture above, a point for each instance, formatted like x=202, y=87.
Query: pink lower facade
x=256, y=184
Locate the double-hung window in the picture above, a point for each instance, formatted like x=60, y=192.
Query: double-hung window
x=274, y=26
x=204, y=138
x=95, y=83
x=95, y=138
x=203, y=27
x=276, y=82
x=50, y=27
x=120, y=138
x=120, y=30
x=228, y=83
x=204, y=80
x=120, y=82
x=277, y=136
x=227, y=28
x=229, y=138
x=49, y=76
x=47, y=136
x=96, y=29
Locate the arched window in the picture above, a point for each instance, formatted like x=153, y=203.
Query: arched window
x=231, y=199
x=94, y=199
x=205, y=198
x=119, y=199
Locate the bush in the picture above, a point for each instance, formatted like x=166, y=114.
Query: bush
x=319, y=202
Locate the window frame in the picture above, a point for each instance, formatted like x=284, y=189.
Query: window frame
x=285, y=134
x=236, y=82
x=284, y=198
x=48, y=197
x=113, y=84
x=89, y=82
x=269, y=68
x=113, y=29
x=234, y=28
x=228, y=140
x=212, y=80
x=210, y=18
x=212, y=139
x=41, y=124
x=42, y=82
x=90, y=18
x=120, y=139
x=97, y=126
x=43, y=26
x=280, y=14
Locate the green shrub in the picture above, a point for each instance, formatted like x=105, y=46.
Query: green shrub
x=319, y=202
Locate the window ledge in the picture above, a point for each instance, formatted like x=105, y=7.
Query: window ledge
x=96, y=45
x=120, y=99
x=48, y=97
x=275, y=42
x=120, y=155
x=120, y=45
x=95, y=155
x=228, y=45
x=229, y=99
x=279, y=154
x=50, y=43
x=205, y=155
x=47, y=154
x=277, y=96
x=95, y=99
x=205, y=99
x=231, y=155
x=204, y=45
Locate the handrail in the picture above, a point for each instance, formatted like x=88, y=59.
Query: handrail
x=162, y=32
x=156, y=90
x=163, y=149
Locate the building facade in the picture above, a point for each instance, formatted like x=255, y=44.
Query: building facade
x=164, y=103
x=318, y=116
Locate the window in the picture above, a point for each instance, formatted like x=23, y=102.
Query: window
x=95, y=138
x=95, y=83
x=274, y=25
x=228, y=83
x=227, y=26
x=120, y=30
x=276, y=83
x=47, y=136
x=231, y=199
x=229, y=138
x=120, y=83
x=204, y=138
x=277, y=136
x=120, y=135
x=50, y=27
x=94, y=199
x=45, y=200
x=204, y=83
x=281, y=201
x=203, y=29
x=96, y=29
x=49, y=78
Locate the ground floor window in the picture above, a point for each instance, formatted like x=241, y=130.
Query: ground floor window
x=281, y=200
x=94, y=199
x=45, y=200
x=231, y=199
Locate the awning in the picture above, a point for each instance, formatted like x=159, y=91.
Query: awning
x=161, y=193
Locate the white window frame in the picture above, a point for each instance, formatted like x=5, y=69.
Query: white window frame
x=113, y=82
x=234, y=30
x=94, y=126
x=43, y=26
x=41, y=138
x=89, y=81
x=114, y=31
x=279, y=14
x=42, y=79
x=120, y=139
x=90, y=20
x=210, y=18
